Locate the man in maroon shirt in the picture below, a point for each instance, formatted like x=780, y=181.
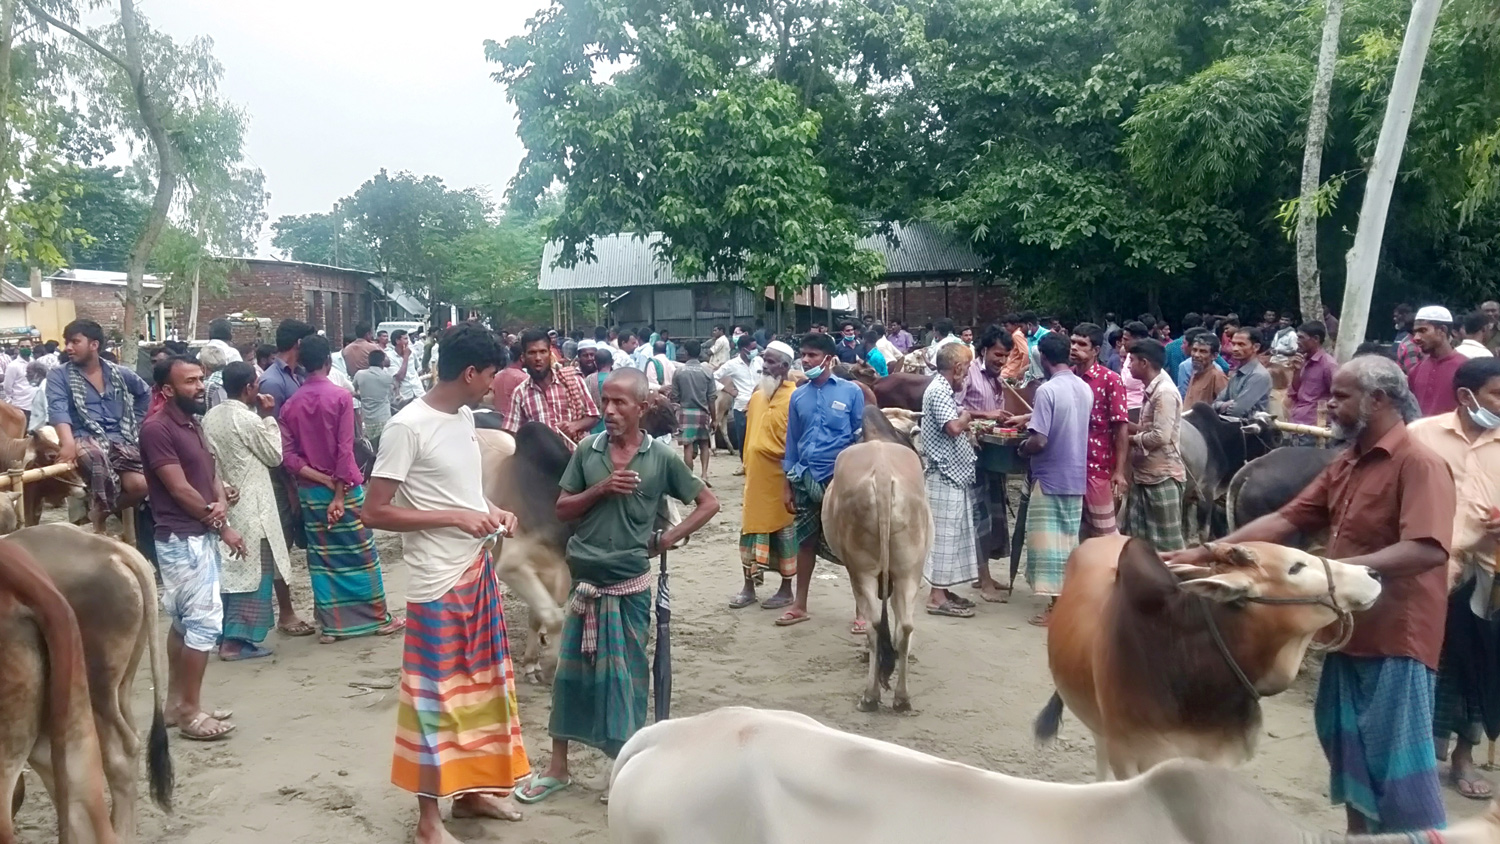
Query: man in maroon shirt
x=1432, y=378
x=190, y=509
x=317, y=439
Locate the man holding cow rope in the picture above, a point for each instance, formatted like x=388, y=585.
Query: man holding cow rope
x=1387, y=503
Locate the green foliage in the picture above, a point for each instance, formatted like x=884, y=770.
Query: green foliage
x=110, y=206
x=322, y=238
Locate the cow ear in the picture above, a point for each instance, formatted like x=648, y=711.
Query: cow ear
x=1223, y=588
x=1233, y=556
x=1182, y=571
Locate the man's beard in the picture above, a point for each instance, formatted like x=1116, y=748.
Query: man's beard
x=538, y=374
x=768, y=385
x=198, y=406
x=588, y=367
x=1349, y=434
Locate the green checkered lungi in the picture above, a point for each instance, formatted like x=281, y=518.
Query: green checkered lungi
x=807, y=498
x=1052, y=524
x=1155, y=514
x=602, y=701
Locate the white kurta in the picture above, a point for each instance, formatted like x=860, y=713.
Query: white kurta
x=245, y=446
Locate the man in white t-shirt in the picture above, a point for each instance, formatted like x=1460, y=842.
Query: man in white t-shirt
x=427, y=485
x=740, y=377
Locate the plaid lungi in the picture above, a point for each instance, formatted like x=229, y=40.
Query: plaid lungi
x=601, y=700
x=761, y=551
x=1099, y=508
x=807, y=498
x=954, y=558
x=696, y=425
x=458, y=728
x=1374, y=720
x=1051, y=535
x=1155, y=514
x=102, y=462
x=348, y=591
x=992, y=524
x=248, y=616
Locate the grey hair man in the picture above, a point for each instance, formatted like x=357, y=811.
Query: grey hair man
x=1388, y=503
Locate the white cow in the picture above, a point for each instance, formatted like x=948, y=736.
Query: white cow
x=746, y=776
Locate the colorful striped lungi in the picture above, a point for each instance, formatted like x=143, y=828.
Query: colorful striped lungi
x=1099, y=508
x=1052, y=523
x=601, y=700
x=761, y=551
x=954, y=558
x=348, y=591
x=1155, y=514
x=696, y=425
x=248, y=616
x=458, y=728
x=1374, y=720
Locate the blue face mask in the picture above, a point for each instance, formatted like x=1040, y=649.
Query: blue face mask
x=812, y=374
x=1481, y=415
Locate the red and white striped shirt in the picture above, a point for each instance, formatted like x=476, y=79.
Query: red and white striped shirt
x=563, y=398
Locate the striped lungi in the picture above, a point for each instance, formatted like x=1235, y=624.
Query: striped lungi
x=348, y=591
x=992, y=522
x=807, y=499
x=1052, y=523
x=457, y=725
x=248, y=616
x=695, y=424
x=1155, y=514
x=954, y=557
x=601, y=700
x=1099, y=508
x=761, y=551
x=1374, y=720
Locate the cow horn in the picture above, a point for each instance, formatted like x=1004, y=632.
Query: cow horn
x=1184, y=571
x=1237, y=556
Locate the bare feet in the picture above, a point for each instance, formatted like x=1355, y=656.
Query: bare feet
x=486, y=806
x=994, y=594
x=434, y=834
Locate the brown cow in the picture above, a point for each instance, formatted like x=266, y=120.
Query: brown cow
x=112, y=590
x=878, y=484
x=1122, y=611
x=44, y=712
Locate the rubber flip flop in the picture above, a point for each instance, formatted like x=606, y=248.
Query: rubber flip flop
x=961, y=602
x=549, y=786
x=775, y=602
x=787, y=619
x=741, y=601
x=190, y=732
x=251, y=652
x=951, y=610
x=1466, y=787
x=301, y=628
x=859, y=628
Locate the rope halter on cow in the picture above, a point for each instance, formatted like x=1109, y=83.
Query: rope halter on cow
x=1329, y=601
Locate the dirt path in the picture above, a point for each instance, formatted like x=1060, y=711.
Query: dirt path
x=310, y=762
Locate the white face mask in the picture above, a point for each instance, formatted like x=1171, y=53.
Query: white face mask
x=1481, y=415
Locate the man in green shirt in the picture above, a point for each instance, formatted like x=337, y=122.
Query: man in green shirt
x=613, y=488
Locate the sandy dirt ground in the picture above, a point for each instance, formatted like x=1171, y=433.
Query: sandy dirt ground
x=310, y=761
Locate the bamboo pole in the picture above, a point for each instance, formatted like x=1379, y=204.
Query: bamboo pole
x=37, y=474
x=1307, y=430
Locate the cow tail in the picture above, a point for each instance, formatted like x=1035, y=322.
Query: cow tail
x=158, y=755
x=1050, y=718
x=885, y=648
x=67, y=678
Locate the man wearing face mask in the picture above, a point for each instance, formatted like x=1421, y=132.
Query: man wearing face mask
x=824, y=418
x=1468, y=682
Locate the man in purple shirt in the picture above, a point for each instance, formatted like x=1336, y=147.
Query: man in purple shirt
x=1312, y=377
x=900, y=337
x=282, y=377
x=317, y=439
x=1058, y=448
x=190, y=510
x=983, y=396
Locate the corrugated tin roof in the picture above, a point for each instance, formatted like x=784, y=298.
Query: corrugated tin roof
x=624, y=260
x=13, y=295
x=108, y=277
x=407, y=302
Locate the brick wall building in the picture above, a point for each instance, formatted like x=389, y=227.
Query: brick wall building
x=920, y=301
x=330, y=298
x=96, y=295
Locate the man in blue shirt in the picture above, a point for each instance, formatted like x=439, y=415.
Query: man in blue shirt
x=1177, y=350
x=873, y=356
x=97, y=408
x=825, y=417
x=285, y=374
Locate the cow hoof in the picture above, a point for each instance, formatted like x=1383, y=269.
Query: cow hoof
x=901, y=706
x=869, y=705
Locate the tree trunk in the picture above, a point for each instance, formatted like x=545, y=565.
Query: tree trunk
x=192, y=326
x=166, y=178
x=1364, y=257
x=1309, y=287
x=7, y=35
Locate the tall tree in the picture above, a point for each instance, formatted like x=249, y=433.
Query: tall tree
x=1309, y=282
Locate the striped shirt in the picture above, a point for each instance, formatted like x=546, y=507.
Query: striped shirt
x=563, y=398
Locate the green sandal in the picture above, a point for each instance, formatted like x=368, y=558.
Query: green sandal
x=549, y=786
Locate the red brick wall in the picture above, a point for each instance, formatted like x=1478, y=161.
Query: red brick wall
x=101, y=303
x=277, y=291
x=918, y=304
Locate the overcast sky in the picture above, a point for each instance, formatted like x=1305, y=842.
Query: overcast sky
x=337, y=89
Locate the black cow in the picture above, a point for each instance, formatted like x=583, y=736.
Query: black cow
x=1267, y=483
x=1226, y=445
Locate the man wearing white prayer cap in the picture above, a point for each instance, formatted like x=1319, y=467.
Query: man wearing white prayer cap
x=1431, y=379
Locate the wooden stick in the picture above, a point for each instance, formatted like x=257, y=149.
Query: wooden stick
x=37, y=474
x=1308, y=430
x=1013, y=391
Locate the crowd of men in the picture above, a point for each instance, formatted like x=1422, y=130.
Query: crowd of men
x=314, y=446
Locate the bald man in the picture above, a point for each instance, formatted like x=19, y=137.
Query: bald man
x=613, y=488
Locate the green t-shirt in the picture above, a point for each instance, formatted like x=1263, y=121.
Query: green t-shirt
x=609, y=544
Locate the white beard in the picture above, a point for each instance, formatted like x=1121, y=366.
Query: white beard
x=769, y=384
